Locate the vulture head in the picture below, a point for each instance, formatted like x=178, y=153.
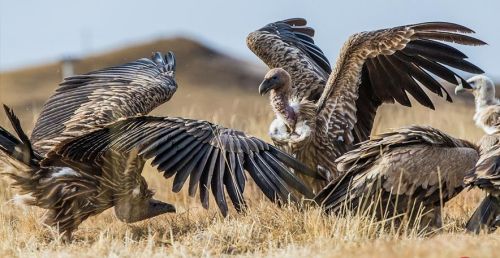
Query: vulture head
x=294, y=119
x=483, y=88
x=141, y=210
x=277, y=80
x=138, y=204
x=487, y=106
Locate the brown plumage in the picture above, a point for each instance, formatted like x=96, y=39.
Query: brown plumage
x=289, y=44
x=486, y=174
x=411, y=172
x=373, y=67
x=78, y=105
x=99, y=97
x=92, y=140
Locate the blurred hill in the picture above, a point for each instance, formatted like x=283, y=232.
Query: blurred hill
x=202, y=74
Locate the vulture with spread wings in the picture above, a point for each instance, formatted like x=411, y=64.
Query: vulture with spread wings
x=321, y=112
x=92, y=139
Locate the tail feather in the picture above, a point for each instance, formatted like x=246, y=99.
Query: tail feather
x=8, y=142
x=22, y=164
x=69, y=198
x=17, y=148
x=485, y=216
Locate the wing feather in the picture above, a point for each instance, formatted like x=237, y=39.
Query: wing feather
x=407, y=163
x=289, y=44
x=84, y=101
x=212, y=156
x=382, y=66
x=486, y=173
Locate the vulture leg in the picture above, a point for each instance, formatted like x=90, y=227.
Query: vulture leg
x=486, y=217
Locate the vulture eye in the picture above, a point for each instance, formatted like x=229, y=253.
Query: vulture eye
x=274, y=77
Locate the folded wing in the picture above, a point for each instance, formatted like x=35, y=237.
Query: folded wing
x=416, y=162
x=486, y=174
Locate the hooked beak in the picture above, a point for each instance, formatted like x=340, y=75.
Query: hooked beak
x=460, y=88
x=265, y=87
x=158, y=207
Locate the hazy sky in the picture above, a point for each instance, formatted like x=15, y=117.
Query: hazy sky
x=34, y=32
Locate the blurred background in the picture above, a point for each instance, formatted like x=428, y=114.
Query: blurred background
x=43, y=41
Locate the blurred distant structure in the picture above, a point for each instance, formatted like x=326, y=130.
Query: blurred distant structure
x=68, y=66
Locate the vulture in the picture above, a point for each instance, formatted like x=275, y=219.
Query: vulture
x=409, y=173
x=412, y=172
x=90, y=143
x=486, y=173
x=322, y=112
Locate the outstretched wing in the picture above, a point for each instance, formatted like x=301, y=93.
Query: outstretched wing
x=289, y=44
x=210, y=155
x=84, y=101
x=414, y=162
x=382, y=67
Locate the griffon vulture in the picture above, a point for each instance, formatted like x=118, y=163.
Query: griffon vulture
x=420, y=168
x=412, y=171
x=486, y=174
x=320, y=112
x=89, y=146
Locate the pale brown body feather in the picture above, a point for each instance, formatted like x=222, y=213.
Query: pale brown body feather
x=486, y=174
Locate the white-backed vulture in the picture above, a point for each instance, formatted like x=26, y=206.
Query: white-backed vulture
x=320, y=112
x=93, y=138
x=420, y=167
x=412, y=171
x=486, y=174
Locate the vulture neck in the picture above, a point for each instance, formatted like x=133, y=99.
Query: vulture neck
x=282, y=108
x=486, y=99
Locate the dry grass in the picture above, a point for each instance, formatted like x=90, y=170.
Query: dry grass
x=265, y=230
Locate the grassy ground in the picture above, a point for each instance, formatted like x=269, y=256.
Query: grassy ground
x=265, y=230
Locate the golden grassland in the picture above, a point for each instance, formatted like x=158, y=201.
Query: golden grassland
x=263, y=230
